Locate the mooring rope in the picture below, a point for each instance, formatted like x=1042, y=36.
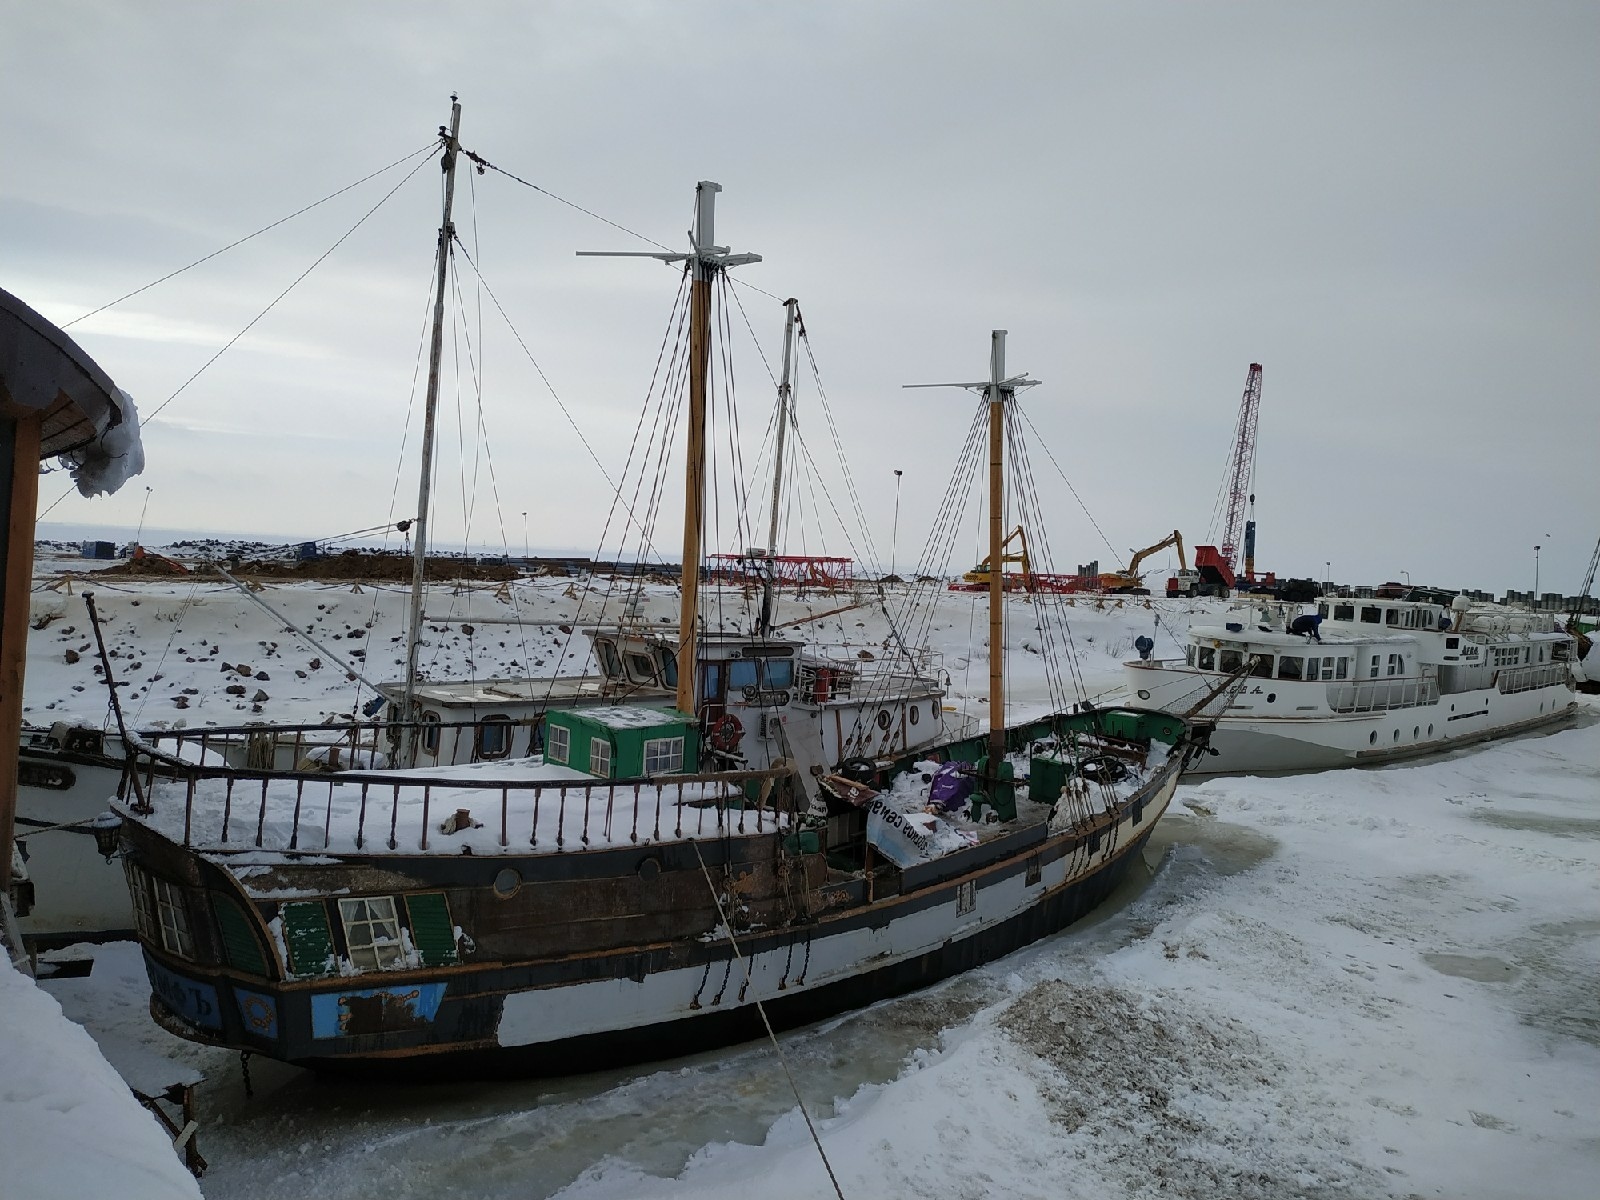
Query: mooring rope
x=716, y=899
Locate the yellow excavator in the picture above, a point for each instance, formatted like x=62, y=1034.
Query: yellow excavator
x=1130, y=581
x=978, y=577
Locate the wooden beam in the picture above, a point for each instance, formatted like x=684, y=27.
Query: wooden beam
x=19, y=498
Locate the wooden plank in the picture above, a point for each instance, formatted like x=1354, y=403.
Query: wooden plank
x=19, y=493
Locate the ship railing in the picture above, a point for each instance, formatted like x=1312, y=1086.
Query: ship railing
x=274, y=747
x=1527, y=679
x=221, y=809
x=1380, y=695
x=838, y=672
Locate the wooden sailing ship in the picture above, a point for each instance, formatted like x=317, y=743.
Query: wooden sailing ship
x=650, y=884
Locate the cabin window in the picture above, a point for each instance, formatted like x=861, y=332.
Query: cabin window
x=669, y=667
x=641, y=668
x=1188, y=655
x=1452, y=643
x=1373, y=673
x=1392, y=616
x=1371, y=614
x=1341, y=668
x=663, y=756
x=1208, y=658
x=711, y=682
x=1263, y=666
x=780, y=673
x=599, y=757
x=610, y=661
x=1396, y=665
x=173, y=918
x=1322, y=610
x=372, y=932
x=494, y=736
x=1344, y=612
x=1229, y=660
x=1291, y=666
x=558, y=744
x=742, y=673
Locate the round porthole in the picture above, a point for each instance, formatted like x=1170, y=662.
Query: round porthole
x=933, y=712
x=1430, y=730
x=507, y=883
x=1372, y=738
x=650, y=868
x=1416, y=731
x=1272, y=697
x=1143, y=695
x=883, y=718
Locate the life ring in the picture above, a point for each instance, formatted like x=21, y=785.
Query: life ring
x=725, y=733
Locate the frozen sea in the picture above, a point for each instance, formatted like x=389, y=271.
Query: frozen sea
x=1365, y=983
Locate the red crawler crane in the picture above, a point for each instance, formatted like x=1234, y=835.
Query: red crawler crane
x=1241, y=473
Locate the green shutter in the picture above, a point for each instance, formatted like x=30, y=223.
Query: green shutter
x=431, y=931
x=305, y=930
x=238, y=939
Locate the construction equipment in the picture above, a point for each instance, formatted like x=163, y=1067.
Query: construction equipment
x=978, y=577
x=1130, y=582
x=1237, y=535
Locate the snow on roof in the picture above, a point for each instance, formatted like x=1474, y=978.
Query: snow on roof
x=629, y=716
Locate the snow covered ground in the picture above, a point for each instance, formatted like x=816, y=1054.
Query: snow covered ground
x=1363, y=983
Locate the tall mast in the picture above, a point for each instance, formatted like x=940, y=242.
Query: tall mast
x=998, y=390
x=451, y=142
x=996, y=398
x=791, y=318
x=706, y=260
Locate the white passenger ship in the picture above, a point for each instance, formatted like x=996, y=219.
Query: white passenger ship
x=1389, y=679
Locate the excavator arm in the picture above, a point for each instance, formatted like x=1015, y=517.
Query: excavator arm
x=1173, y=539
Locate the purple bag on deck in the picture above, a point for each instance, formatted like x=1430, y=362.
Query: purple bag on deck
x=950, y=787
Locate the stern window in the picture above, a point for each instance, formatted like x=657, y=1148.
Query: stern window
x=174, y=919
x=372, y=933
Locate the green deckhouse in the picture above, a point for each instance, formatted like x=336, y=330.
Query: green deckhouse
x=623, y=741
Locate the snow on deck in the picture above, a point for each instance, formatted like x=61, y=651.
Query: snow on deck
x=522, y=806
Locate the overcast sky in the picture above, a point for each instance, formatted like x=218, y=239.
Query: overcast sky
x=1391, y=206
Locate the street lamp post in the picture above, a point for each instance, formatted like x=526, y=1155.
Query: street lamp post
x=1327, y=574
x=1533, y=599
x=1407, y=574
x=894, y=537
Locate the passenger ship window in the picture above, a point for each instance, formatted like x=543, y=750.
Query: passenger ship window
x=1291, y=666
x=1208, y=658
x=1371, y=614
x=1344, y=612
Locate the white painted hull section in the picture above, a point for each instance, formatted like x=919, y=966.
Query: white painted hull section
x=552, y=1014
x=1251, y=743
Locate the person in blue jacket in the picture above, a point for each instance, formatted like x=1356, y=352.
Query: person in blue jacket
x=1306, y=625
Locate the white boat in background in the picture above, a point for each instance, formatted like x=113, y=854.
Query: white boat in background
x=1389, y=679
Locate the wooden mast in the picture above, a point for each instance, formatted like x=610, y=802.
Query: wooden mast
x=451, y=141
x=706, y=260
x=997, y=390
x=791, y=319
x=996, y=396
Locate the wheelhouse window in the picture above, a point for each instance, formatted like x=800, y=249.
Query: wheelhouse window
x=173, y=917
x=1230, y=660
x=1344, y=612
x=669, y=667
x=1208, y=659
x=372, y=932
x=640, y=668
x=742, y=673
x=1188, y=655
x=711, y=682
x=1452, y=643
x=599, y=757
x=1263, y=666
x=610, y=661
x=558, y=744
x=1391, y=616
x=663, y=756
x=430, y=732
x=1291, y=666
x=779, y=673
x=1322, y=610
x=1371, y=614
x=494, y=736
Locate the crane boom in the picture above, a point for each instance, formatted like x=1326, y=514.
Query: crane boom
x=1242, y=468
